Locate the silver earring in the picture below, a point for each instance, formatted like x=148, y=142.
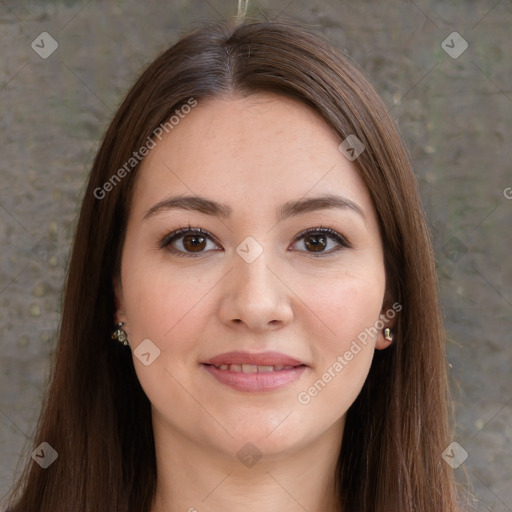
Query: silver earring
x=119, y=334
x=387, y=334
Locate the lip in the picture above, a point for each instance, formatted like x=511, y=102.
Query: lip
x=257, y=381
x=259, y=359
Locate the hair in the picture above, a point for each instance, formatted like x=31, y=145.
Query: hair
x=95, y=413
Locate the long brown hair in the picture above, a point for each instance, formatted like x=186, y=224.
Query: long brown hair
x=95, y=413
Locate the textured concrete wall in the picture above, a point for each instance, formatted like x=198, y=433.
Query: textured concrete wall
x=454, y=107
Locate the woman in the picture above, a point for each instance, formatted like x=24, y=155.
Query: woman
x=253, y=228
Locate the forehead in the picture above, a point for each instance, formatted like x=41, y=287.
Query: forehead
x=259, y=148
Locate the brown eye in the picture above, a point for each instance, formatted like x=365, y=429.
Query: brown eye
x=317, y=240
x=315, y=243
x=187, y=242
x=194, y=243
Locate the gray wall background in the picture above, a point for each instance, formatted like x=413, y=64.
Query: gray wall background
x=455, y=114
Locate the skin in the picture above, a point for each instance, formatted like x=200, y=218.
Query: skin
x=254, y=154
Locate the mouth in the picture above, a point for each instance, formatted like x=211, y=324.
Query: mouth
x=253, y=368
x=248, y=372
x=247, y=361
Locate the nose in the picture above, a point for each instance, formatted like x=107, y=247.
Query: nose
x=255, y=296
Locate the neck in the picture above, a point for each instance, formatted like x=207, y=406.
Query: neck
x=197, y=478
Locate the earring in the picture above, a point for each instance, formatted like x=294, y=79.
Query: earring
x=119, y=334
x=387, y=334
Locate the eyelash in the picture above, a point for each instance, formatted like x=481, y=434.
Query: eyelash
x=166, y=242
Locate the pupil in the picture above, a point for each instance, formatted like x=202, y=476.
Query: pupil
x=316, y=245
x=196, y=241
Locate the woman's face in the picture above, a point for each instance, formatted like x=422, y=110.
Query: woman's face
x=249, y=284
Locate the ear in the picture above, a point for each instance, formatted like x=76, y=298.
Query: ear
x=120, y=314
x=388, y=317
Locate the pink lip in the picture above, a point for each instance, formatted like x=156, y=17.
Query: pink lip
x=254, y=382
x=257, y=381
x=261, y=359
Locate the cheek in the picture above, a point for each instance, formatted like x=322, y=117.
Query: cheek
x=164, y=305
x=350, y=308
x=348, y=305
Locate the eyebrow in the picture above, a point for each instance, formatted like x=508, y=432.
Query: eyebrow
x=288, y=209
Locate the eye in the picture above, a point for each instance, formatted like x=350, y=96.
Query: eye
x=317, y=239
x=188, y=241
x=192, y=242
